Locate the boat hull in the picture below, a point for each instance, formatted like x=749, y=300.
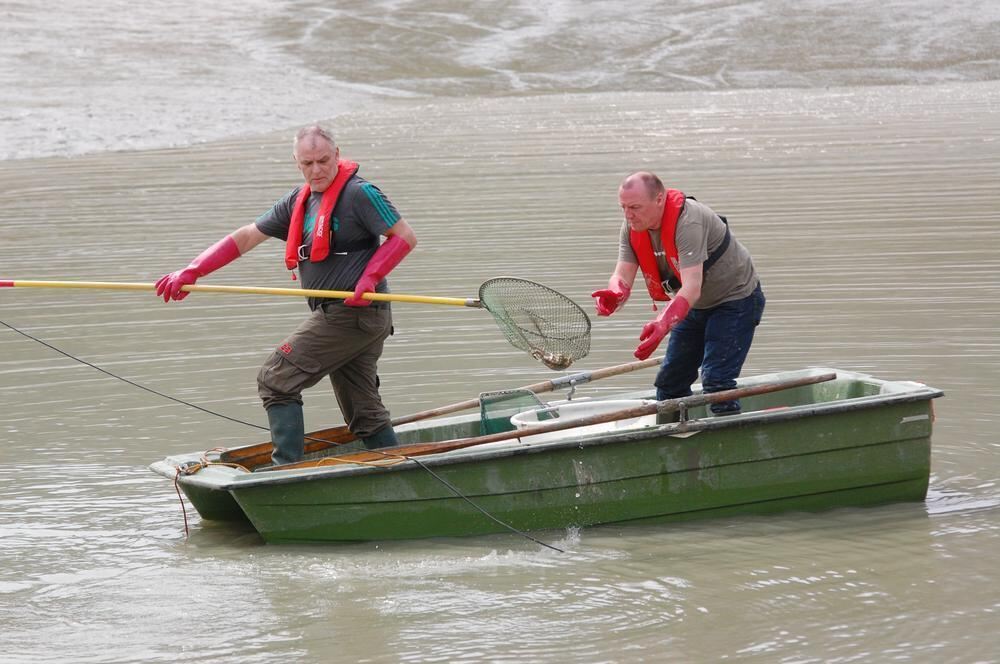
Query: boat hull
x=747, y=465
x=204, y=485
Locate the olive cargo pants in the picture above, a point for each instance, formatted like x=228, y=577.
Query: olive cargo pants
x=343, y=343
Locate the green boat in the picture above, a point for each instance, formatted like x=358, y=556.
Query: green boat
x=806, y=440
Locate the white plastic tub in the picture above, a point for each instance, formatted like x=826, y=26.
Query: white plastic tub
x=575, y=411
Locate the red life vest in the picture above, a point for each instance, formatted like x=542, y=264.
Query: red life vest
x=643, y=247
x=321, y=236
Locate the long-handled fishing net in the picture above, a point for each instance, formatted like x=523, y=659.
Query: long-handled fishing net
x=548, y=325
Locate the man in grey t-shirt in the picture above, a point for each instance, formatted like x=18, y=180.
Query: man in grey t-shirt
x=332, y=226
x=688, y=257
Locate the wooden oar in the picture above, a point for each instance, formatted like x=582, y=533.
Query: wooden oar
x=250, y=290
x=252, y=456
x=660, y=407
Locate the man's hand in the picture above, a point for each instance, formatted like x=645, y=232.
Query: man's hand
x=366, y=284
x=221, y=253
x=609, y=300
x=169, y=285
x=389, y=255
x=654, y=331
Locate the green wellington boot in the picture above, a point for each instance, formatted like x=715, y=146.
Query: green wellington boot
x=288, y=432
x=384, y=437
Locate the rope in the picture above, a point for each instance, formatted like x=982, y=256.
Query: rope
x=177, y=488
x=481, y=510
x=192, y=468
x=133, y=384
x=390, y=460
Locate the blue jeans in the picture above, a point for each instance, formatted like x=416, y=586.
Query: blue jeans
x=717, y=340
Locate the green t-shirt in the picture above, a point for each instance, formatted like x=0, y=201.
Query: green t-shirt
x=361, y=216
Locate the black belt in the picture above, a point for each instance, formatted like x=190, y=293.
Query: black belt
x=327, y=304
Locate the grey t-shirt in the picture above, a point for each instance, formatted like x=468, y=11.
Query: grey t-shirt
x=699, y=233
x=361, y=216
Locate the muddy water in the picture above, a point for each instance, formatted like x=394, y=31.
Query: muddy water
x=872, y=215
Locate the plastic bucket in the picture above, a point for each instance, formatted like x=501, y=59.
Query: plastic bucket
x=579, y=410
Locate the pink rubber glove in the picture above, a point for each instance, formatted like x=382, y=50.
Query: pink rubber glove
x=654, y=331
x=219, y=254
x=609, y=300
x=388, y=256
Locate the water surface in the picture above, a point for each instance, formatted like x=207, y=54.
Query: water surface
x=871, y=212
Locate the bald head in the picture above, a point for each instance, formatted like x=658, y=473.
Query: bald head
x=641, y=197
x=644, y=181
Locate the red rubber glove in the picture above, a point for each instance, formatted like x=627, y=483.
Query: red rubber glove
x=609, y=300
x=388, y=256
x=218, y=255
x=654, y=331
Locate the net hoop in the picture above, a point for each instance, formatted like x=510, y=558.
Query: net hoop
x=551, y=327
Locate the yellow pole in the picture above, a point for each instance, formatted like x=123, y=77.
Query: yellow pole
x=252, y=290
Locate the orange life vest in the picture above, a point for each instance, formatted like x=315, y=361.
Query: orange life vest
x=322, y=234
x=643, y=247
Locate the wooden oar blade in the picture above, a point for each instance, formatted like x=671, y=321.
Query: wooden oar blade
x=253, y=456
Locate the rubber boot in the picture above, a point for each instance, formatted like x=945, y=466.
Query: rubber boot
x=384, y=437
x=287, y=432
x=724, y=408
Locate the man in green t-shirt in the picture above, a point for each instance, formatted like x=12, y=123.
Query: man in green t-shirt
x=332, y=226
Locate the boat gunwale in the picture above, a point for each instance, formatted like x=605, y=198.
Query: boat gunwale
x=472, y=455
x=164, y=468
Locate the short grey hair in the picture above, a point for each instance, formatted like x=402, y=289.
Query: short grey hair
x=313, y=130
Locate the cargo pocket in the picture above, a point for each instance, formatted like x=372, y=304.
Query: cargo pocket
x=375, y=322
x=285, y=374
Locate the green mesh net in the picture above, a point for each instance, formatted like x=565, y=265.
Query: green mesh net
x=496, y=409
x=535, y=318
